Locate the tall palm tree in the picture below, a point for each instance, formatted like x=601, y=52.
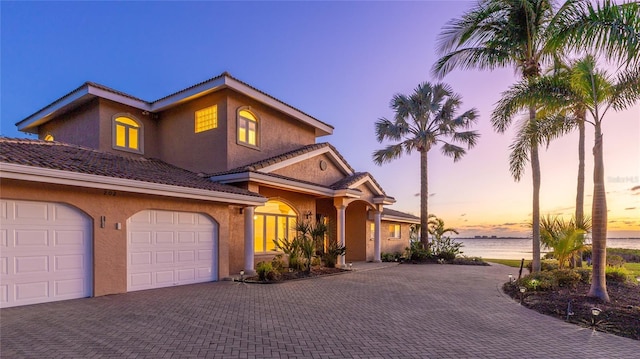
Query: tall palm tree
x=496, y=34
x=588, y=88
x=522, y=34
x=424, y=119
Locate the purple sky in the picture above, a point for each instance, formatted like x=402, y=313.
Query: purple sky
x=339, y=62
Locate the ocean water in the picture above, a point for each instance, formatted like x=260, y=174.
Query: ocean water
x=517, y=248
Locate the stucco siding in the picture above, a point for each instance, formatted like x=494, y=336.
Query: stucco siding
x=80, y=126
x=181, y=146
x=277, y=132
x=108, y=109
x=310, y=170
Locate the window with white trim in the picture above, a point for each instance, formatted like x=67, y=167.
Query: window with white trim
x=247, y=128
x=127, y=134
x=206, y=119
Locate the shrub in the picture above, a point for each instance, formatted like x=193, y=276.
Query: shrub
x=264, y=269
x=566, y=278
x=391, y=257
x=629, y=255
x=416, y=252
x=617, y=274
x=541, y=281
x=585, y=274
x=278, y=263
x=614, y=260
x=333, y=251
x=464, y=260
x=545, y=265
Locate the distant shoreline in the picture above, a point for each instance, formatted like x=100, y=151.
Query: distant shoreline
x=491, y=237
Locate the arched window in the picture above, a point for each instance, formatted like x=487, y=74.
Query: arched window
x=247, y=128
x=48, y=137
x=127, y=134
x=273, y=220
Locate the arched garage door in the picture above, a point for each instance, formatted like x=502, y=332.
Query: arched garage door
x=45, y=253
x=168, y=248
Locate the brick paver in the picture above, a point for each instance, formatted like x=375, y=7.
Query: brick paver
x=404, y=311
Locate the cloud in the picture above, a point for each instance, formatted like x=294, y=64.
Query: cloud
x=629, y=208
x=462, y=215
x=635, y=188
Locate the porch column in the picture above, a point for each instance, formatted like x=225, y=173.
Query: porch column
x=249, y=246
x=341, y=232
x=376, y=237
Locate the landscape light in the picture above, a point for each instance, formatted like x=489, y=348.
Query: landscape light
x=596, y=311
x=510, y=278
x=522, y=290
x=242, y=276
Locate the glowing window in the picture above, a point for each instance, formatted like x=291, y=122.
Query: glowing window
x=273, y=220
x=247, y=128
x=206, y=119
x=48, y=137
x=127, y=134
x=394, y=231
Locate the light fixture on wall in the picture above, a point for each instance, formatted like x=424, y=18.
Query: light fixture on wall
x=307, y=215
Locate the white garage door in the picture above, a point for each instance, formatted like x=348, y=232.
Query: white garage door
x=45, y=253
x=170, y=248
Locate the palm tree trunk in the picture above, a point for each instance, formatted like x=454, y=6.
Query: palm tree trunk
x=535, y=169
x=599, y=217
x=424, y=198
x=580, y=187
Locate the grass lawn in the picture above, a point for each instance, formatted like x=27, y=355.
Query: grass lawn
x=633, y=268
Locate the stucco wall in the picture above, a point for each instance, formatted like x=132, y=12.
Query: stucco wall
x=110, y=244
x=149, y=127
x=310, y=170
x=181, y=146
x=80, y=126
x=277, y=133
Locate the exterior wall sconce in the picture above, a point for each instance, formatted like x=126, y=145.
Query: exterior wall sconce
x=307, y=215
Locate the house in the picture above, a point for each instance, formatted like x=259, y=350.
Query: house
x=120, y=194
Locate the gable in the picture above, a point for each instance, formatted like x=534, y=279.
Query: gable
x=321, y=169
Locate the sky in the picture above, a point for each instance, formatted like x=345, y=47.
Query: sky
x=340, y=62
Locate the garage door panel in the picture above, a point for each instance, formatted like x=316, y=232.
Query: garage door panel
x=182, y=245
x=164, y=238
x=165, y=278
x=165, y=257
x=141, y=280
x=31, y=264
x=28, y=238
x=69, y=263
x=31, y=210
x=73, y=239
x=4, y=266
x=137, y=238
x=141, y=217
x=32, y=290
x=69, y=287
x=140, y=258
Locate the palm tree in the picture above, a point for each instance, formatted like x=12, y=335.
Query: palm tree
x=566, y=239
x=423, y=120
x=523, y=33
x=437, y=228
x=496, y=34
x=588, y=88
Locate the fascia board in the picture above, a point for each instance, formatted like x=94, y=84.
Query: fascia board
x=384, y=200
x=399, y=219
x=183, y=96
x=336, y=160
x=102, y=93
x=30, y=123
x=45, y=175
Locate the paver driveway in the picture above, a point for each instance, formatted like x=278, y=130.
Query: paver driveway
x=405, y=311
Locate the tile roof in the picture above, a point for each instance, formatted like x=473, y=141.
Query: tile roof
x=348, y=181
x=257, y=166
x=72, y=158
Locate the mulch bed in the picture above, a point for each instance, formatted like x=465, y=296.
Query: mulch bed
x=621, y=316
x=285, y=276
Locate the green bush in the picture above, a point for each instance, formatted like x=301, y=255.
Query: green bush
x=464, y=260
x=614, y=260
x=416, y=252
x=278, y=263
x=617, y=274
x=334, y=250
x=629, y=255
x=265, y=270
x=446, y=248
x=585, y=274
x=545, y=265
x=566, y=278
x=391, y=257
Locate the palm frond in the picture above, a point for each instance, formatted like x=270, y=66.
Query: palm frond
x=388, y=153
x=451, y=150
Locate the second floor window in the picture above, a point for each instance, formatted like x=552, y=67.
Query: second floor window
x=247, y=128
x=206, y=119
x=127, y=134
